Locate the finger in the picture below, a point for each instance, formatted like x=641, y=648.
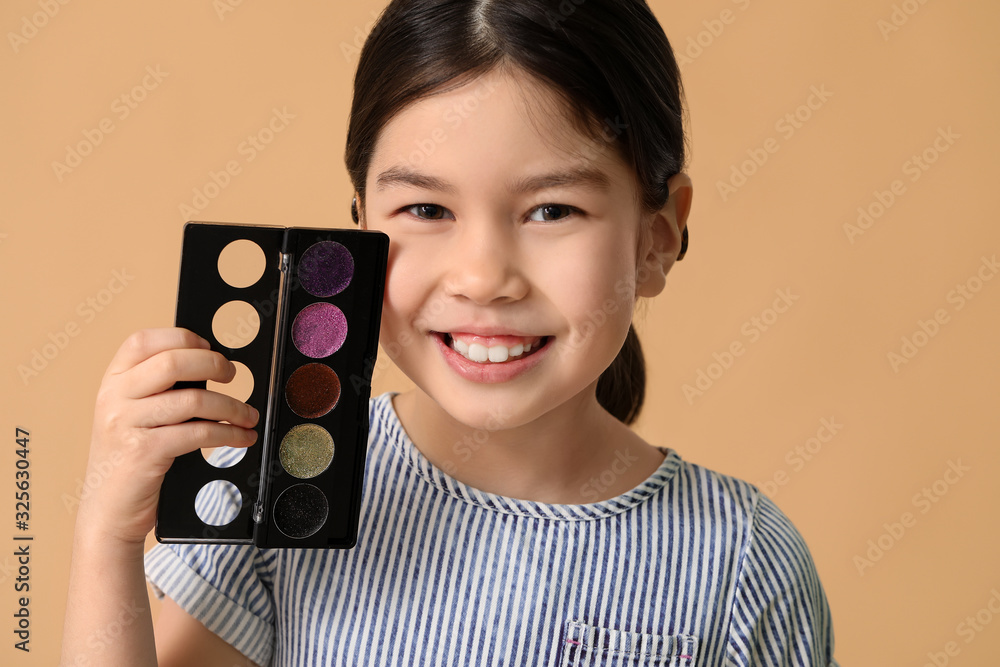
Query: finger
x=162, y=371
x=171, y=441
x=180, y=405
x=147, y=343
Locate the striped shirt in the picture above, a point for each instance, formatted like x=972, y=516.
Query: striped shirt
x=691, y=567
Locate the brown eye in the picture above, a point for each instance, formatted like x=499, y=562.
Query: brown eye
x=428, y=211
x=552, y=212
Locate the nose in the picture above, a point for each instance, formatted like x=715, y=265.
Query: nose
x=485, y=266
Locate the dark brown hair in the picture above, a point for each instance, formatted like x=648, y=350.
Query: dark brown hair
x=609, y=60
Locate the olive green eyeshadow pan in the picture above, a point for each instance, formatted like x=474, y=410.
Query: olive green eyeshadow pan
x=306, y=450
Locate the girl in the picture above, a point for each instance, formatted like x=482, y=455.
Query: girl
x=526, y=160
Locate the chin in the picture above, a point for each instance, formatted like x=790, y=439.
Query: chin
x=496, y=408
x=486, y=414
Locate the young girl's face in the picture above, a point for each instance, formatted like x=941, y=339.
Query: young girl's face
x=515, y=248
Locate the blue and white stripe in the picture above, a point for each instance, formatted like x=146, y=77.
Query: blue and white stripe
x=690, y=568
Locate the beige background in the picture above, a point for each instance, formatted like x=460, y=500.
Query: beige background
x=63, y=237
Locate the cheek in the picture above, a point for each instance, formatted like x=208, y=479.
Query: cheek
x=409, y=281
x=599, y=276
x=597, y=311
x=396, y=282
x=398, y=305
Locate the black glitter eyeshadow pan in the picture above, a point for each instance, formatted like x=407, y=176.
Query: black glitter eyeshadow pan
x=300, y=511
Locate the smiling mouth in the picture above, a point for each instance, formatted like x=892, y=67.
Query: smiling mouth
x=492, y=350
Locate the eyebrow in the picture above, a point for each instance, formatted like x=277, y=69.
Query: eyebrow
x=402, y=177
x=399, y=176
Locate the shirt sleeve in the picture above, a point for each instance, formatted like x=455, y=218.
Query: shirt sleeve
x=780, y=616
x=223, y=586
x=227, y=587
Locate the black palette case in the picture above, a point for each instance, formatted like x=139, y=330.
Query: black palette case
x=318, y=302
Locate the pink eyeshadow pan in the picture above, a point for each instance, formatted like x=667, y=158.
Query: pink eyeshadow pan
x=319, y=330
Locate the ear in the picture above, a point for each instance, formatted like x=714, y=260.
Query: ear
x=661, y=241
x=362, y=223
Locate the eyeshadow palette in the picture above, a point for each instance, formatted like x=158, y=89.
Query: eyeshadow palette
x=301, y=316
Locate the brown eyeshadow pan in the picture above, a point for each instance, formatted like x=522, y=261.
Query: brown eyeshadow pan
x=312, y=390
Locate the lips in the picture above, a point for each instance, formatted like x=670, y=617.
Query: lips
x=533, y=350
x=493, y=349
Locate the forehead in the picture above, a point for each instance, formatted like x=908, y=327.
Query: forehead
x=504, y=120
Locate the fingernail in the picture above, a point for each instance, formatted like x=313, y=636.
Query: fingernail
x=253, y=413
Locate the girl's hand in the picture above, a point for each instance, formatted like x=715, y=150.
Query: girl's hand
x=141, y=425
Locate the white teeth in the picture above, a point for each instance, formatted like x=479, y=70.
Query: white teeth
x=478, y=353
x=496, y=354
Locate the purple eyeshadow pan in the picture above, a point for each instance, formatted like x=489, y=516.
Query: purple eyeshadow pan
x=326, y=268
x=319, y=330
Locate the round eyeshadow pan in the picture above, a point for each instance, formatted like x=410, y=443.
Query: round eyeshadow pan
x=319, y=330
x=306, y=450
x=326, y=268
x=301, y=510
x=312, y=390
